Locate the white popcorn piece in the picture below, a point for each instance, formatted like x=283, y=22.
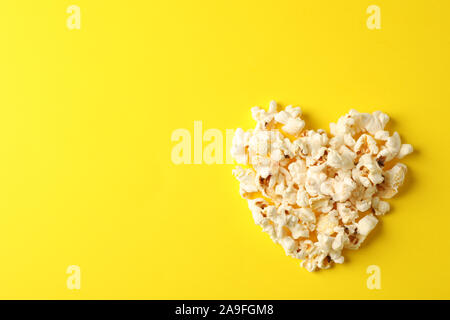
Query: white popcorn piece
x=377, y=122
x=405, y=149
x=366, y=225
x=346, y=212
x=392, y=148
x=306, y=215
x=342, y=159
x=293, y=125
x=321, y=204
x=265, y=118
x=247, y=179
x=381, y=135
x=380, y=207
x=393, y=179
x=338, y=243
x=366, y=144
x=321, y=194
x=327, y=223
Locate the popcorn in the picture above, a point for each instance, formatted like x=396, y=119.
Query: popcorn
x=380, y=207
x=366, y=144
x=405, y=149
x=346, y=212
x=247, y=180
x=393, y=179
x=327, y=223
x=289, y=117
x=365, y=226
x=316, y=194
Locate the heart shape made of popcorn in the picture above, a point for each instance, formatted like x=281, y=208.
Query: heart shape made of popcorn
x=316, y=194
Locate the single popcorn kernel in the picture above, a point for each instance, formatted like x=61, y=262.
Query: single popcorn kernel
x=317, y=194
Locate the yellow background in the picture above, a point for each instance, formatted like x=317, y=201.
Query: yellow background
x=86, y=118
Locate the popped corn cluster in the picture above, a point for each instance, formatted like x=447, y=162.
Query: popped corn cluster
x=316, y=194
